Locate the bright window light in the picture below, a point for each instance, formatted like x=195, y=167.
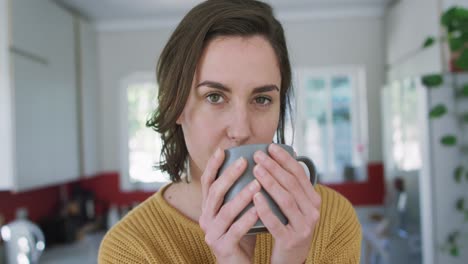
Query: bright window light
x=144, y=144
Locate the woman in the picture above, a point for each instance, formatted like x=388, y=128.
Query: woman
x=224, y=79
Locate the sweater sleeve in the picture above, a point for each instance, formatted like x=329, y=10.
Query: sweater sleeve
x=345, y=241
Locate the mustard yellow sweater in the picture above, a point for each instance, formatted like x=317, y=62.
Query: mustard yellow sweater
x=155, y=232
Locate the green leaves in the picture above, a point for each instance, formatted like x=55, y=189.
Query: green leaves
x=428, y=42
x=464, y=117
x=448, y=140
x=454, y=251
x=455, y=43
x=455, y=22
x=454, y=18
x=462, y=61
x=447, y=16
x=452, y=243
x=452, y=237
x=458, y=173
x=432, y=80
x=464, y=90
x=460, y=204
x=438, y=111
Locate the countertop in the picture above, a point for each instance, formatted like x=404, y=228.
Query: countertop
x=83, y=251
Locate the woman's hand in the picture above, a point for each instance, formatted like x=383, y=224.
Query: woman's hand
x=286, y=182
x=224, y=236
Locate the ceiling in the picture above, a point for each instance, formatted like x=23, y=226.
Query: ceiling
x=103, y=11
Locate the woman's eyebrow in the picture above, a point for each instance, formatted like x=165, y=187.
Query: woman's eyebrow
x=265, y=88
x=220, y=86
x=215, y=85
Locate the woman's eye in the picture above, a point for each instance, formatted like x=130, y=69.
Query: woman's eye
x=215, y=98
x=262, y=100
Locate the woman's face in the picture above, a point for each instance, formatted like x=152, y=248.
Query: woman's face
x=234, y=98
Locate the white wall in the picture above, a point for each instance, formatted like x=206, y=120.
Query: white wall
x=313, y=42
x=445, y=191
x=408, y=23
x=89, y=92
x=448, y=3
x=120, y=55
x=6, y=125
x=405, y=33
x=352, y=41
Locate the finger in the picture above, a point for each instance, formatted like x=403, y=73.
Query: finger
x=231, y=239
x=285, y=200
x=287, y=162
x=269, y=219
x=210, y=172
x=240, y=228
x=288, y=180
x=290, y=164
x=207, y=178
x=285, y=179
x=233, y=208
x=222, y=184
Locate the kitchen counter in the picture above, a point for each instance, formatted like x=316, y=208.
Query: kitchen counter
x=83, y=251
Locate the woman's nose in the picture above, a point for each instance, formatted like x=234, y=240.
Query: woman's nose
x=239, y=126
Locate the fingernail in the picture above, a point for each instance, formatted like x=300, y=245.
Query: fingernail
x=254, y=185
x=257, y=197
x=218, y=153
x=253, y=210
x=274, y=147
x=240, y=162
x=260, y=155
x=259, y=170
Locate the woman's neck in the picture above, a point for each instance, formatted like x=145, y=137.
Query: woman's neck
x=186, y=196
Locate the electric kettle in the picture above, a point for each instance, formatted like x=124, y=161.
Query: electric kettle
x=24, y=242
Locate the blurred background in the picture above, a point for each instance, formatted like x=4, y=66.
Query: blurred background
x=381, y=106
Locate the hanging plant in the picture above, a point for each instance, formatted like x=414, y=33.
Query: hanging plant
x=458, y=174
x=455, y=23
x=464, y=90
x=432, y=80
x=448, y=140
x=438, y=111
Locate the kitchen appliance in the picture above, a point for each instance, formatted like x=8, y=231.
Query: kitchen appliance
x=24, y=242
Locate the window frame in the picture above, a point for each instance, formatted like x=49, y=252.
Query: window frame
x=359, y=115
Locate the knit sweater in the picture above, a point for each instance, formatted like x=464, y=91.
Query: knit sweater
x=156, y=232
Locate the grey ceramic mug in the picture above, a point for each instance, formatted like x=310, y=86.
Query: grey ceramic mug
x=247, y=151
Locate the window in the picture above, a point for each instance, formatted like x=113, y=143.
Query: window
x=402, y=137
x=141, y=146
x=331, y=121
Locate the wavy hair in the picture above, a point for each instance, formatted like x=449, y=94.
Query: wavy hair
x=178, y=61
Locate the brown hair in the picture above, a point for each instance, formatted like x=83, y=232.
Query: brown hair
x=178, y=61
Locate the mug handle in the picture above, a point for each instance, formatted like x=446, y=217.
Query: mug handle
x=310, y=165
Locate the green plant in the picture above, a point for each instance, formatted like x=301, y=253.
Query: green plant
x=455, y=23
